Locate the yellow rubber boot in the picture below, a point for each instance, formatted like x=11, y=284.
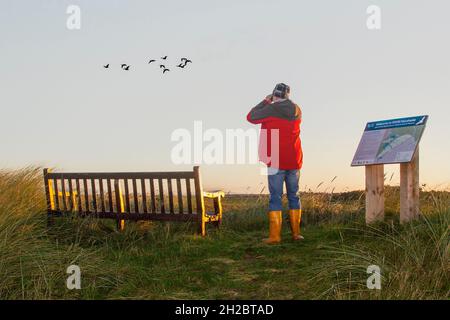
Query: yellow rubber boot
x=274, y=227
x=295, y=216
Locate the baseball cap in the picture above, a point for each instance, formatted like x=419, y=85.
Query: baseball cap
x=281, y=90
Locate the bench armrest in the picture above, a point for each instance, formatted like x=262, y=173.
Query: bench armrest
x=214, y=194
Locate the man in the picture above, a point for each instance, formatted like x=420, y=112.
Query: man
x=280, y=149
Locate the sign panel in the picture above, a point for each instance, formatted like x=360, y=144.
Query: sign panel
x=390, y=141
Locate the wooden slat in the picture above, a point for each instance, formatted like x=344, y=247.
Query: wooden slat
x=71, y=195
x=110, y=196
x=80, y=208
x=86, y=196
x=63, y=193
x=144, y=196
x=143, y=216
x=117, y=195
x=102, y=196
x=189, y=195
x=135, y=196
x=122, y=175
x=94, y=195
x=55, y=184
x=180, y=196
x=161, y=196
x=152, y=196
x=127, y=196
x=169, y=186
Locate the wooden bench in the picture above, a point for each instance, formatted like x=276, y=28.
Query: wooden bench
x=163, y=196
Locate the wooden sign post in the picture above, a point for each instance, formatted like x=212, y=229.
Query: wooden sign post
x=409, y=189
x=374, y=193
x=389, y=142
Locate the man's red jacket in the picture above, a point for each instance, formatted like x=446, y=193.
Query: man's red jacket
x=279, y=119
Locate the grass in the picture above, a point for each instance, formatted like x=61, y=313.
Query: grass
x=167, y=261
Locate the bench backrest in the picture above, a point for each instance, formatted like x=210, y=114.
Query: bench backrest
x=134, y=193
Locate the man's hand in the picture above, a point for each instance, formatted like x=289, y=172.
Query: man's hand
x=269, y=98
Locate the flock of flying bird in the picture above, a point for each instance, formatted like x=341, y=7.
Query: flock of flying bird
x=182, y=65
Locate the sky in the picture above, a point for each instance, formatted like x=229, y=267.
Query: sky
x=60, y=108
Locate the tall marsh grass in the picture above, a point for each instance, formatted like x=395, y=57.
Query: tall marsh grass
x=165, y=260
x=32, y=262
x=413, y=259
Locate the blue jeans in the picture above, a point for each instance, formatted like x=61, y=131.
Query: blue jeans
x=277, y=178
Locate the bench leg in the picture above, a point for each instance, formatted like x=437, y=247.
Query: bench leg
x=218, y=223
x=120, y=224
x=218, y=211
x=50, y=220
x=202, y=227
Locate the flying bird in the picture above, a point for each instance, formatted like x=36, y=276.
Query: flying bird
x=107, y=66
x=162, y=66
x=164, y=71
x=186, y=60
x=152, y=60
x=181, y=65
x=164, y=58
x=126, y=68
x=123, y=65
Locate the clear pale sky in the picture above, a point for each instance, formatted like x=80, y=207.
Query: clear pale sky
x=60, y=108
